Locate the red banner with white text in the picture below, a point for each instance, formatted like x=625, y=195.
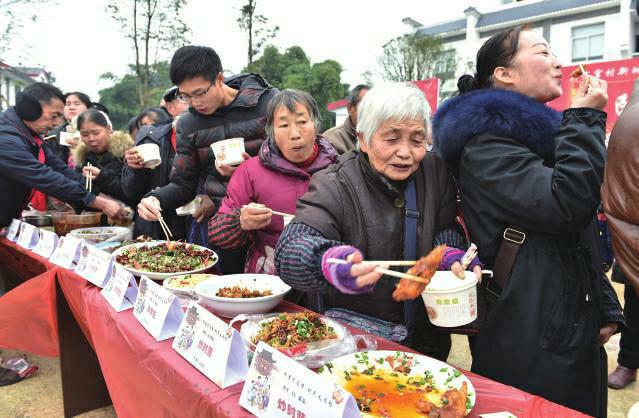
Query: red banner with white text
x=620, y=76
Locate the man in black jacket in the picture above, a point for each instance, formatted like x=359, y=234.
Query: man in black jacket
x=219, y=109
x=27, y=165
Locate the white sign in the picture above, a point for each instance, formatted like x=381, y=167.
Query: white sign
x=278, y=386
x=47, y=244
x=67, y=252
x=121, y=290
x=157, y=309
x=214, y=348
x=94, y=265
x=14, y=229
x=29, y=236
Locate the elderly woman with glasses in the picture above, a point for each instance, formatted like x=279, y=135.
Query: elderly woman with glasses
x=276, y=178
x=356, y=209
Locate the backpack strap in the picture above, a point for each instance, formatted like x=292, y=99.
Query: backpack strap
x=410, y=247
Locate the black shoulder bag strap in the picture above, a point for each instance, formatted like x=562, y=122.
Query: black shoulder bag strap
x=410, y=249
x=513, y=239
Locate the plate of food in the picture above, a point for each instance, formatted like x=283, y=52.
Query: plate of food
x=184, y=285
x=294, y=334
x=399, y=384
x=235, y=294
x=159, y=260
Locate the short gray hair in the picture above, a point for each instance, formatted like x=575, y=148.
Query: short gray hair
x=289, y=98
x=391, y=101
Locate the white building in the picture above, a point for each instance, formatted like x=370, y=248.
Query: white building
x=579, y=31
x=14, y=79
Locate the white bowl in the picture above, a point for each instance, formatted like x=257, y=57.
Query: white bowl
x=185, y=291
x=230, y=307
x=162, y=276
x=98, y=234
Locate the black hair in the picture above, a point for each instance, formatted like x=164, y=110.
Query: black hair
x=43, y=92
x=498, y=51
x=81, y=96
x=100, y=107
x=288, y=98
x=95, y=116
x=158, y=115
x=133, y=125
x=194, y=61
x=353, y=96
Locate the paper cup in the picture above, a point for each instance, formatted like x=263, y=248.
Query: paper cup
x=189, y=208
x=450, y=301
x=229, y=151
x=150, y=153
x=65, y=138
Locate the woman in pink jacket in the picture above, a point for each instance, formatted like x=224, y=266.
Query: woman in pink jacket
x=275, y=179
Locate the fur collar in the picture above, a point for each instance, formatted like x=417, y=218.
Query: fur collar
x=118, y=144
x=498, y=112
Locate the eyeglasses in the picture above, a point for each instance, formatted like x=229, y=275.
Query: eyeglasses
x=187, y=98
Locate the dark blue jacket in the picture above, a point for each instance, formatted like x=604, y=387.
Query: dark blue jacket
x=137, y=183
x=20, y=171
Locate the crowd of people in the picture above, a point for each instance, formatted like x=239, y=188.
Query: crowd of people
x=506, y=172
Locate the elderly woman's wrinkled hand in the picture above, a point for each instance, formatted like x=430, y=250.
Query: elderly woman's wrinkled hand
x=254, y=218
x=365, y=274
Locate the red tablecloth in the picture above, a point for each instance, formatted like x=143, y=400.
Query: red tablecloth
x=147, y=378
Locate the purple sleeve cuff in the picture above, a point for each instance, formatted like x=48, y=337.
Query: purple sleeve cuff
x=339, y=275
x=452, y=255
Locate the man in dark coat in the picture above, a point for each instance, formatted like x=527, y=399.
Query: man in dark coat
x=27, y=166
x=137, y=180
x=219, y=109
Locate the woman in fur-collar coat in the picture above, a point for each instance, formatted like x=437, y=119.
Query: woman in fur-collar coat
x=104, y=149
x=522, y=164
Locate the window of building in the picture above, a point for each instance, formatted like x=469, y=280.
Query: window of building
x=445, y=65
x=636, y=51
x=588, y=42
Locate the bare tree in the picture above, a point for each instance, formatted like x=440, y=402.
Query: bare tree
x=13, y=15
x=257, y=29
x=154, y=27
x=416, y=57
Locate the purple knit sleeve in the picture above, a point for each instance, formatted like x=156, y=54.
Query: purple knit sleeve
x=339, y=275
x=452, y=255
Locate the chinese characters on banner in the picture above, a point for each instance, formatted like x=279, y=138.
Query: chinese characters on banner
x=620, y=76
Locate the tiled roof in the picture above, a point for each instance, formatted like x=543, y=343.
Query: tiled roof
x=510, y=14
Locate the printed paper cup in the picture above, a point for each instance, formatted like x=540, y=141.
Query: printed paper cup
x=229, y=151
x=150, y=153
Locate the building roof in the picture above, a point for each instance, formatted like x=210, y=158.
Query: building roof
x=511, y=14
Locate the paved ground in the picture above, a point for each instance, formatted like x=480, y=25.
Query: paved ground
x=40, y=396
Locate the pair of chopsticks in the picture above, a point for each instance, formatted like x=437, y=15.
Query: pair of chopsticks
x=384, y=270
x=165, y=229
x=88, y=182
x=274, y=212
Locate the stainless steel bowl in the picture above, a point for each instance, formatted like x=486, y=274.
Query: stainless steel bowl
x=38, y=220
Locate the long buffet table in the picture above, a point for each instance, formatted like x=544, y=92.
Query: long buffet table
x=107, y=356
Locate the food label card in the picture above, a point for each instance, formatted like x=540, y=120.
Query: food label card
x=278, y=386
x=214, y=348
x=157, y=309
x=29, y=236
x=67, y=253
x=47, y=243
x=121, y=289
x=13, y=230
x=94, y=265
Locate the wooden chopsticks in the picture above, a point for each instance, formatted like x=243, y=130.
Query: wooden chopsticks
x=274, y=212
x=384, y=270
x=88, y=182
x=165, y=229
